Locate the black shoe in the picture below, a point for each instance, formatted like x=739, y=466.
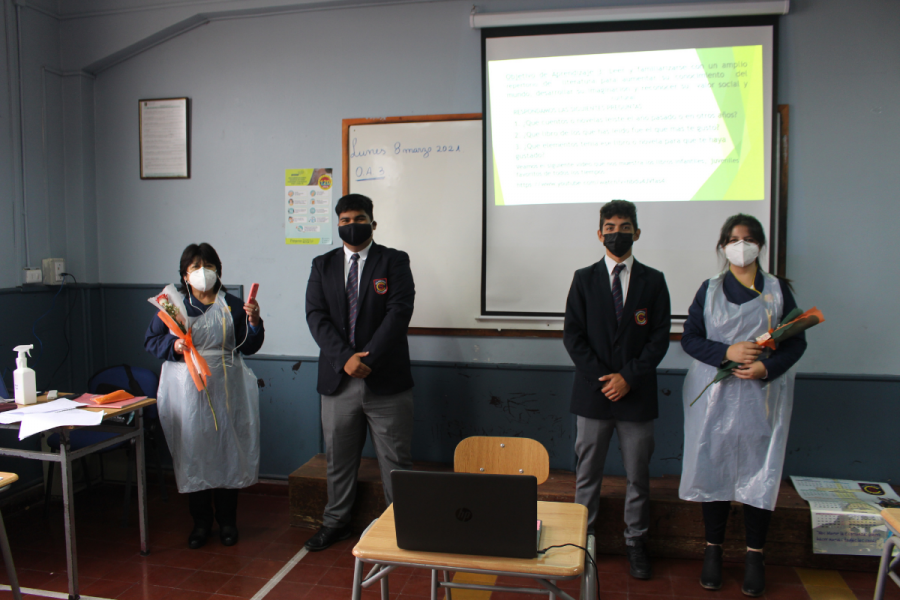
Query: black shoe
x=228, y=534
x=326, y=536
x=639, y=561
x=754, y=575
x=198, y=536
x=711, y=576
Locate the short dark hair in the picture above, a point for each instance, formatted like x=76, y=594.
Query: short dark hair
x=354, y=202
x=619, y=208
x=207, y=254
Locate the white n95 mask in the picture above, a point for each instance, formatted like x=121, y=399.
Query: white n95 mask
x=203, y=279
x=741, y=253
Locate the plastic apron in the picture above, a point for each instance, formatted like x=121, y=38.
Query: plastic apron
x=203, y=457
x=735, y=435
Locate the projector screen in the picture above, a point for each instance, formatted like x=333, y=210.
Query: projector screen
x=678, y=121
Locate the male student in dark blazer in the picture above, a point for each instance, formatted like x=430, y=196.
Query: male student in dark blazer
x=359, y=301
x=616, y=332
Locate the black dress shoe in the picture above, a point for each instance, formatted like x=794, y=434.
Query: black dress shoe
x=754, y=575
x=198, y=536
x=711, y=576
x=639, y=561
x=228, y=534
x=326, y=536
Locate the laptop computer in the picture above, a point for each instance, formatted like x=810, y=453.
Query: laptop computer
x=463, y=513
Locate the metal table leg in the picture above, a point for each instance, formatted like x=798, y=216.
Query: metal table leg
x=434, y=584
x=589, y=579
x=68, y=492
x=385, y=588
x=447, y=593
x=357, y=580
x=141, y=481
x=8, y=561
x=886, y=567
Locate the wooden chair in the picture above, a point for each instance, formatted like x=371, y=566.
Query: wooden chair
x=502, y=456
x=889, y=565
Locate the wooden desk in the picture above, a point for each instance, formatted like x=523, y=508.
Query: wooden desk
x=563, y=523
x=7, y=479
x=66, y=456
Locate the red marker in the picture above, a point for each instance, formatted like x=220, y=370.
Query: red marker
x=253, y=289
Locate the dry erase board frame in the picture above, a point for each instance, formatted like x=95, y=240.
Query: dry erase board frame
x=142, y=129
x=489, y=330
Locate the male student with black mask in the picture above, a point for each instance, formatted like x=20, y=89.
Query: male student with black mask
x=616, y=332
x=359, y=301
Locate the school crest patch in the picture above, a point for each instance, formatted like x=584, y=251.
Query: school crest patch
x=872, y=488
x=640, y=316
x=380, y=286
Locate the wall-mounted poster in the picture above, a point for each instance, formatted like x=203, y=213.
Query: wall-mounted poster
x=164, y=138
x=308, y=206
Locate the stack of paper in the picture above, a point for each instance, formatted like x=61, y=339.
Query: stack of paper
x=41, y=417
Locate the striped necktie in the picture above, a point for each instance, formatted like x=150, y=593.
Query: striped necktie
x=617, y=290
x=353, y=296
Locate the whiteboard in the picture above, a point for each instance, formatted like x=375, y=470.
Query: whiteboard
x=425, y=181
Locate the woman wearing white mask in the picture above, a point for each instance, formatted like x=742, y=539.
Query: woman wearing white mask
x=213, y=434
x=735, y=434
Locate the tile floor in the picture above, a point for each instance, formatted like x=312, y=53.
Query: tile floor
x=110, y=564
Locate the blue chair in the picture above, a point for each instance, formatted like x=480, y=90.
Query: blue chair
x=139, y=382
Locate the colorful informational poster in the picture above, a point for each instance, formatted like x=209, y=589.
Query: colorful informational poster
x=308, y=206
x=846, y=515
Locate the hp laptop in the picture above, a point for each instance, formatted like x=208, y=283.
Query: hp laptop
x=462, y=513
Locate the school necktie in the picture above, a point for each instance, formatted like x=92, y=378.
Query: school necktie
x=617, y=290
x=353, y=296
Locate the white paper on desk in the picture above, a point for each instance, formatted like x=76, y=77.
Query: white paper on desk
x=14, y=416
x=39, y=422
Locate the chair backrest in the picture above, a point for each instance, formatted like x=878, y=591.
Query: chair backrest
x=3, y=392
x=502, y=456
x=136, y=380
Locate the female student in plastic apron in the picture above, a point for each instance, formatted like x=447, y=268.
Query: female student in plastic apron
x=735, y=434
x=214, y=437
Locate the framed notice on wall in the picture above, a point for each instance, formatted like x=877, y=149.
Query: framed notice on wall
x=165, y=142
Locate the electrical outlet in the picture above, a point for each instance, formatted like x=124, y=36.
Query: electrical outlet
x=33, y=276
x=53, y=269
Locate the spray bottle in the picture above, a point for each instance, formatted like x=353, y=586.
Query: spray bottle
x=23, y=377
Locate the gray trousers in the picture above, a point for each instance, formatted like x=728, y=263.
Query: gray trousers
x=636, y=443
x=346, y=416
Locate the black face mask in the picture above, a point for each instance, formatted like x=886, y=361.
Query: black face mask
x=618, y=243
x=355, y=234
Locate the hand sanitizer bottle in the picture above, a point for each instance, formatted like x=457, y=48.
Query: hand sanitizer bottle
x=23, y=377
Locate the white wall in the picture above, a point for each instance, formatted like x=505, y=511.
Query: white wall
x=269, y=93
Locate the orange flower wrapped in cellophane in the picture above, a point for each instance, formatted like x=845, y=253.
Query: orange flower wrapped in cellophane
x=170, y=314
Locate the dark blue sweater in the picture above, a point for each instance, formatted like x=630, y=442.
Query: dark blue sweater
x=696, y=344
x=160, y=343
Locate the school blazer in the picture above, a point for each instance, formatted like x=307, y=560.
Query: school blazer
x=634, y=347
x=386, y=295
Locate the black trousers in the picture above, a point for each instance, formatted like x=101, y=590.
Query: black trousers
x=201, y=506
x=756, y=523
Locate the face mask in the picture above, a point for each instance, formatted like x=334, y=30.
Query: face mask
x=741, y=253
x=355, y=234
x=618, y=243
x=203, y=279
